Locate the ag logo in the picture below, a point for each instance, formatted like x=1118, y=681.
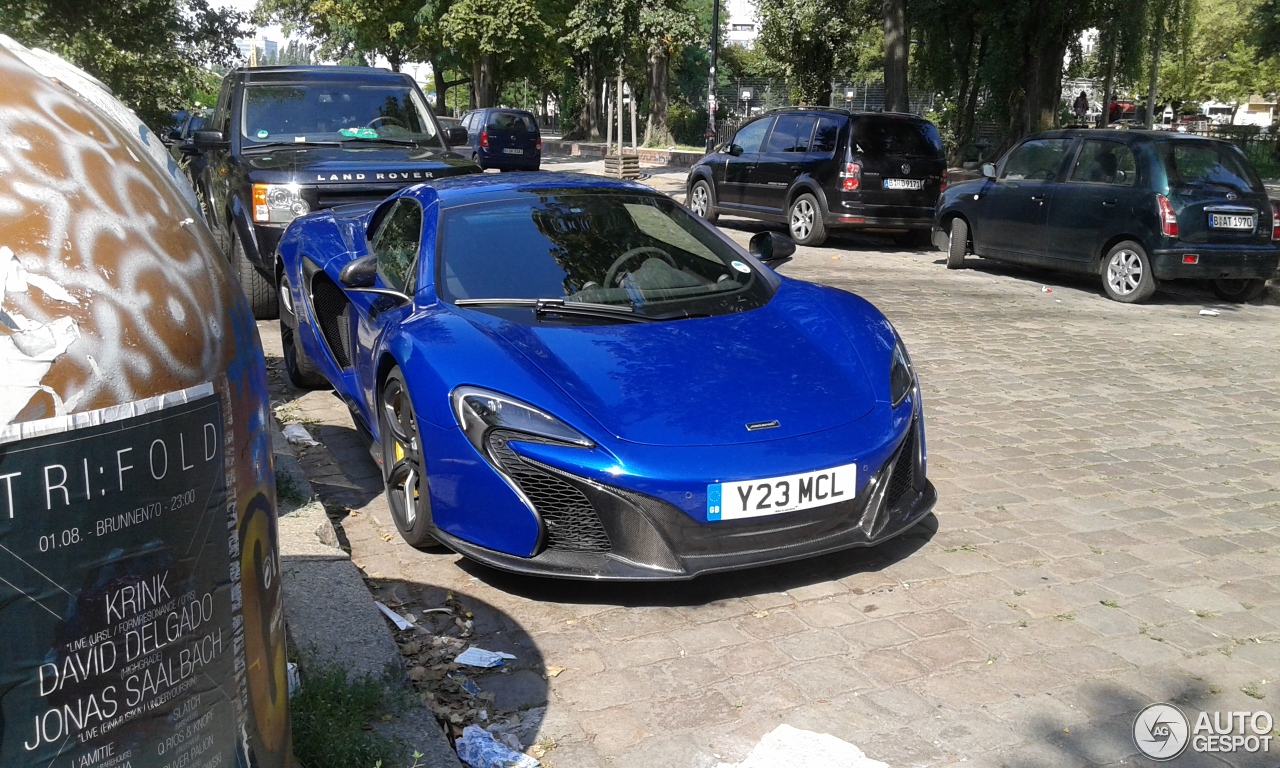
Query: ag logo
x=1161, y=731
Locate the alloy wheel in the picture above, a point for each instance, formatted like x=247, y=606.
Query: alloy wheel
x=1124, y=272
x=699, y=202
x=802, y=215
x=402, y=459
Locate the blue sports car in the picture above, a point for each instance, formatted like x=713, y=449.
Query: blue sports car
x=574, y=376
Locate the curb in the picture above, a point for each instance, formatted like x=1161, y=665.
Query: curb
x=329, y=611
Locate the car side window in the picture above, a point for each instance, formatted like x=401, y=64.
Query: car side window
x=1037, y=160
x=751, y=136
x=1105, y=162
x=791, y=133
x=396, y=245
x=825, y=135
x=222, y=110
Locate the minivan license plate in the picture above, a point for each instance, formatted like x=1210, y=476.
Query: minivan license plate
x=510, y=151
x=776, y=495
x=903, y=183
x=1226, y=221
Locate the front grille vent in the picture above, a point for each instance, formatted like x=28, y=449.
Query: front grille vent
x=903, y=477
x=571, y=521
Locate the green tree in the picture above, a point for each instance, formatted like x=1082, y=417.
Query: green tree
x=151, y=53
x=352, y=30
x=493, y=35
x=807, y=42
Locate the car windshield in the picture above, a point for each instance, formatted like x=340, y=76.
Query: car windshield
x=1204, y=163
x=896, y=136
x=517, y=122
x=335, y=111
x=641, y=253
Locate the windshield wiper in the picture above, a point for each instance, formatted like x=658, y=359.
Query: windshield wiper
x=383, y=140
x=549, y=306
x=269, y=144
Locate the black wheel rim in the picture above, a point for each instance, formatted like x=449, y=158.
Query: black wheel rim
x=401, y=456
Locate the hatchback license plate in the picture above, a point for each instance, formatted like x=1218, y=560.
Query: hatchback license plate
x=510, y=151
x=776, y=495
x=1227, y=221
x=903, y=184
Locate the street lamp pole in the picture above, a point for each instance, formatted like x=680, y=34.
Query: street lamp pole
x=711, y=79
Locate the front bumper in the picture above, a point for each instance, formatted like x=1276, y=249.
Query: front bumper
x=1231, y=262
x=647, y=539
x=263, y=250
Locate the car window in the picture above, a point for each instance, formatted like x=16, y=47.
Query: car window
x=1206, y=163
x=751, y=136
x=1105, y=162
x=335, y=111
x=791, y=133
x=1037, y=160
x=640, y=251
x=516, y=122
x=396, y=244
x=897, y=136
x=826, y=135
x=222, y=110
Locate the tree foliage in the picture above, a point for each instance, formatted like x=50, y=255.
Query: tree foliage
x=807, y=42
x=150, y=52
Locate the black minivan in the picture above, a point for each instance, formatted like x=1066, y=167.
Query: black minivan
x=1133, y=207
x=819, y=168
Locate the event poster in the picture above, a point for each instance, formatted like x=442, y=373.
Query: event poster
x=120, y=598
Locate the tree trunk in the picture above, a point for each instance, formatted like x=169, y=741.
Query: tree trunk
x=587, y=125
x=484, y=90
x=1105, y=119
x=896, y=50
x=441, y=87
x=1158, y=29
x=656, y=132
x=1047, y=46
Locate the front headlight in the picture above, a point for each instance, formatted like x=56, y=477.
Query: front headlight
x=278, y=203
x=901, y=377
x=479, y=411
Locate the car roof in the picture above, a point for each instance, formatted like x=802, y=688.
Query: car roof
x=322, y=73
x=841, y=111
x=1127, y=136
x=479, y=187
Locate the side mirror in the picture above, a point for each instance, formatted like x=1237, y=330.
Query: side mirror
x=188, y=148
x=209, y=139
x=772, y=248
x=989, y=170
x=361, y=273
x=735, y=150
x=456, y=135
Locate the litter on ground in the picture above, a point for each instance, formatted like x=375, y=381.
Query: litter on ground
x=479, y=657
x=479, y=749
x=787, y=747
x=1210, y=312
x=297, y=434
x=397, y=619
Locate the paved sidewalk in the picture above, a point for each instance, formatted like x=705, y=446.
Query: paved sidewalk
x=1106, y=537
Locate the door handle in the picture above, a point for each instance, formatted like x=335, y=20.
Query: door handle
x=1038, y=198
x=1108, y=202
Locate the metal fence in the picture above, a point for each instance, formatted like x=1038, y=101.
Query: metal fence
x=1263, y=150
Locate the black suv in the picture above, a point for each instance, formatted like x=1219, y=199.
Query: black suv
x=284, y=141
x=815, y=169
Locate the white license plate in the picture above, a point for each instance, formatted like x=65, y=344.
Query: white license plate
x=776, y=495
x=510, y=151
x=903, y=184
x=1226, y=221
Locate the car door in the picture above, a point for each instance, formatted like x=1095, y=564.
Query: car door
x=781, y=160
x=215, y=176
x=1099, y=192
x=1016, y=206
x=744, y=152
x=396, y=245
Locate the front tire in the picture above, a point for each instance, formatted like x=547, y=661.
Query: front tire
x=404, y=471
x=702, y=201
x=804, y=221
x=259, y=290
x=1126, y=273
x=1239, y=291
x=302, y=370
x=958, y=243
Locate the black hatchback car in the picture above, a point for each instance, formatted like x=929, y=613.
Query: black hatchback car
x=816, y=169
x=1134, y=207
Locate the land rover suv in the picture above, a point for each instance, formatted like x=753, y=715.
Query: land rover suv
x=284, y=141
x=818, y=169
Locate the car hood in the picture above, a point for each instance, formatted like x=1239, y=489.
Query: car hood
x=701, y=381
x=347, y=165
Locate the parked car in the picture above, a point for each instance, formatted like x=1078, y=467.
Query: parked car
x=452, y=126
x=1134, y=207
x=506, y=139
x=283, y=141
x=554, y=373
x=183, y=151
x=818, y=169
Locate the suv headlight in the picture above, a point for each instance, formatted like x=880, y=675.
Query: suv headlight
x=902, y=378
x=479, y=411
x=278, y=203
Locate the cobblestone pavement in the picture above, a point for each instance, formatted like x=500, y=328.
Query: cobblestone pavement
x=1105, y=538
